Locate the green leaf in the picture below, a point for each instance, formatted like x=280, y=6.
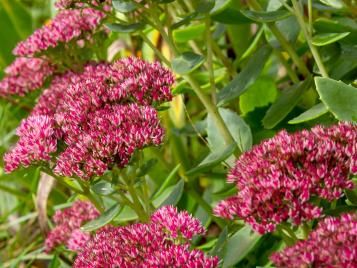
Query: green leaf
x=219, y=6
x=259, y=94
x=237, y=126
x=246, y=77
x=103, y=188
x=335, y=25
x=19, y=16
x=124, y=28
x=146, y=167
x=266, y=16
x=313, y=113
x=239, y=245
x=167, y=181
x=103, y=219
x=165, y=1
x=171, y=196
x=289, y=28
x=213, y=159
x=218, y=250
x=352, y=196
x=124, y=6
x=328, y=38
x=285, y=103
x=231, y=16
x=15, y=24
x=187, y=63
x=125, y=215
x=334, y=3
x=339, y=98
x=189, y=33
x=184, y=21
x=203, y=6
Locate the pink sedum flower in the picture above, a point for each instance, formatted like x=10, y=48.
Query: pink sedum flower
x=100, y=118
x=110, y=134
x=37, y=142
x=25, y=75
x=177, y=224
x=332, y=244
x=141, y=81
x=68, y=221
x=66, y=26
x=277, y=178
x=147, y=244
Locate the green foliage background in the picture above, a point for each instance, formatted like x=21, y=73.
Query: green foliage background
x=244, y=69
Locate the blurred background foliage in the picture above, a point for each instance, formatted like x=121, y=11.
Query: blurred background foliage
x=243, y=43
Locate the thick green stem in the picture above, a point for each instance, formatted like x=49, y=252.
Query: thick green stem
x=155, y=49
x=230, y=67
x=287, y=67
x=210, y=107
x=207, y=207
x=86, y=191
x=210, y=60
x=283, y=42
x=212, y=110
x=143, y=216
x=306, y=32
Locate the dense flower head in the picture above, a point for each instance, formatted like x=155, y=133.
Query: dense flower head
x=108, y=135
x=177, y=224
x=147, y=244
x=277, y=179
x=67, y=223
x=100, y=118
x=67, y=25
x=141, y=81
x=332, y=244
x=25, y=75
x=37, y=142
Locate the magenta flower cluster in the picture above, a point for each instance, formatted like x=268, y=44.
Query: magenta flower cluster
x=67, y=226
x=67, y=25
x=332, y=244
x=163, y=242
x=25, y=75
x=33, y=66
x=277, y=179
x=100, y=117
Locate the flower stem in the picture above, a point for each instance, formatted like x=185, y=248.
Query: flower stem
x=210, y=107
x=289, y=231
x=283, y=42
x=210, y=60
x=308, y=38
x=207, y=207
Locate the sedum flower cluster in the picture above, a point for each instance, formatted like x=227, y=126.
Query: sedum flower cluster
x=332, y=244
x=25, y=75
x=34, y=63
x=278, y=179
x=67, y=224
x=163, y=242
x=85, y=123
x=66, y=26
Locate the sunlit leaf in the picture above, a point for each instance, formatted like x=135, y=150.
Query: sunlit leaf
x=313, y=113
x=187, y=63
x=285, y=103
x=103, y=219
x=339, y=98
x=328, y=38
